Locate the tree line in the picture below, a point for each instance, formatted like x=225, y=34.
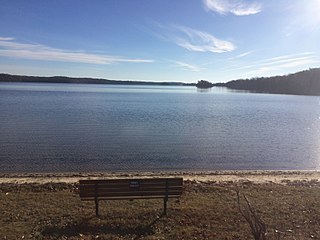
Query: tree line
x=301, y=83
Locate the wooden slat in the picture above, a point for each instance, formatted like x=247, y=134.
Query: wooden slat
x=119, y=180
x=101, y=194
x=129, y=198
x=129, y=193
x=106, y=191
x=140, y=193
x=171, y=181
x=83, y=193
x=131, y=184
x=127, y=188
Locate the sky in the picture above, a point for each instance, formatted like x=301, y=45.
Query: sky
x=159, y=40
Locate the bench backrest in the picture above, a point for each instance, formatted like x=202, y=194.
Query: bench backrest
x=110, y=189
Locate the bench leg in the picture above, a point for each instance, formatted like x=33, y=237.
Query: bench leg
x=97, y=207
x=165, y=200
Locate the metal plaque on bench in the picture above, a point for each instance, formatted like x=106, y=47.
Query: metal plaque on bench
x=134, y=184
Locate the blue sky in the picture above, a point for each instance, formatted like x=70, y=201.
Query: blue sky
x=159, y=40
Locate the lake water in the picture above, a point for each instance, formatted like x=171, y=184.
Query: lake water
x=81, y=127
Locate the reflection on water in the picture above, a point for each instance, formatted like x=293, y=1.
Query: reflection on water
x=81, y=127
x=203, y=90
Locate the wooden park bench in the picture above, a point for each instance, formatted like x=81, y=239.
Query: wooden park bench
x=129, y=189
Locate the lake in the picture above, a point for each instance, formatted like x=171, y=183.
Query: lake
x=81, y=127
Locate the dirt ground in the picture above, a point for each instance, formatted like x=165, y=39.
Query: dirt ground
x=48, y=206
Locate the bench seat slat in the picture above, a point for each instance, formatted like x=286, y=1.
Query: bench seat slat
x=116, y=194
x=99, y=194
x=130, y=198
x=127, y=188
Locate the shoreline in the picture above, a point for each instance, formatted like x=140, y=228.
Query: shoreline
x=221, y=176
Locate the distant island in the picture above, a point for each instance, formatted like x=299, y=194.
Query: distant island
x=204, y=84
x=301, y=83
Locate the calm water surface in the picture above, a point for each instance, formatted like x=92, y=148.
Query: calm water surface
x=80, y=127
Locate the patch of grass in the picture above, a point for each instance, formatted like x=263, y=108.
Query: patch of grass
x=205, y=211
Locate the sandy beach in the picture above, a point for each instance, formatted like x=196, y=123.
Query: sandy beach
x=258, y=177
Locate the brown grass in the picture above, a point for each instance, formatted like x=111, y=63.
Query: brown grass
x=205, y=211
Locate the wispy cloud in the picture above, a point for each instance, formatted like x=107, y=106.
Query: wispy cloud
x=199, y=41
x=194, y=40
x=287, y=57
x=240, y=55
x=187, y=66
x=289, y=62
x=11, y=48
x=6, y=38
x=278, y=63
x=236, y=7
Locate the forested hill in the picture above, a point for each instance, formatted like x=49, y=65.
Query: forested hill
x=60, y=79
x=301, y=83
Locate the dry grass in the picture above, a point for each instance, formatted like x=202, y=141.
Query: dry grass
x=205, y=211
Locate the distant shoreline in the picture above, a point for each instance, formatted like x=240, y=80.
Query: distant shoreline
x=63, y=79
x=301, y=83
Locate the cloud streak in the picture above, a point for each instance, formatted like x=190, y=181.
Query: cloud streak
x=187, y=66
x=195, y=40
x=6, y=38
x=241, y=55
x=10, y=48
x=198, y=41
x=236, y=7
x=280, y=62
